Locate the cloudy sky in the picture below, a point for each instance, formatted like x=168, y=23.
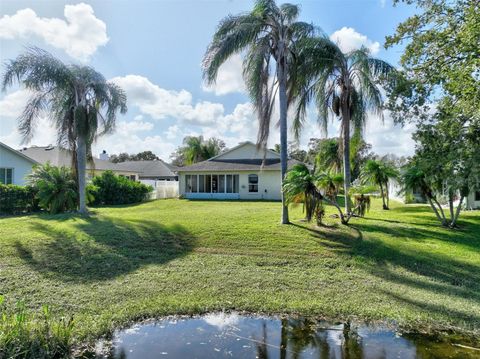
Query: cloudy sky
x=153, y=49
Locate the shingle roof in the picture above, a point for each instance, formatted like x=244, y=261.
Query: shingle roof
x=58, y=156
x=237, y=165
x=148, y=168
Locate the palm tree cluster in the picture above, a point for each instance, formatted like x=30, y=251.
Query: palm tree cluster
x=81, y=104
x=293, y=60
x=196, y=149
x=379, y=173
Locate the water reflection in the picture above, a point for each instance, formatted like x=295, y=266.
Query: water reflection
x=233, y=336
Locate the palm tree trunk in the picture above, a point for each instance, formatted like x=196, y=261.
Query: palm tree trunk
x=282, y=79
x=81, y=166
x=383, y=196
x=346, y=154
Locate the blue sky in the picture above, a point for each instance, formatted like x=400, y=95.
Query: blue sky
x=154, y=49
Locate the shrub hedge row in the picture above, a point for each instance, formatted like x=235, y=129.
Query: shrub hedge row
x=17, y=199
x=111, y=189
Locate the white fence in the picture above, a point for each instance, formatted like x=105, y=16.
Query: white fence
x=162, y=189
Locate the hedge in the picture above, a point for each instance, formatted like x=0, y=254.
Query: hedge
x=111, y=189
x=17, y=199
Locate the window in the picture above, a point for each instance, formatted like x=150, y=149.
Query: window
x=214, y=183
x=477, y=196
x=201, y=183
x=252, y=183
x=221, y=183
x=194, y=183
x=6, y=175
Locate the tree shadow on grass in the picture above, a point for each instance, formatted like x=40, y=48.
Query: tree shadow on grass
x=434, y=272
x=101, y=249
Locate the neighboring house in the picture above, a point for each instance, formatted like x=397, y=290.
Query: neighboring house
x=395, y=192
x=150, y=170
x=473, y=200
x=14, y=165
x=58, y=156
x=234, y=174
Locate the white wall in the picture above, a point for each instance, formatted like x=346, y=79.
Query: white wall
x=21, y=166
x=269, y=186
x=471, y=203
x=247, y=151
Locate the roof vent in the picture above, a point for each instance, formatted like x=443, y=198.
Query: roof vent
x=49, y=148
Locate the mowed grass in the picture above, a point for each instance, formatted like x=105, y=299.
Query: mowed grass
x=179, y=256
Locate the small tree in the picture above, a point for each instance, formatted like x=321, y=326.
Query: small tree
x=379, y=173
x=446, y=165
x=56, y=188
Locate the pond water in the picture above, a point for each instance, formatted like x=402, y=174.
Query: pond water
x=232, y=335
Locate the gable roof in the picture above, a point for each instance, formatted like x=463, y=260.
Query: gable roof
x=18, y=153
x=156, y=168
x=259, y=153
x=59, y=156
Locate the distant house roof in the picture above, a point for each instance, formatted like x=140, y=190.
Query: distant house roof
x=237, y=165
x=156, y=168
x=244, y=157
x=18, y=153
x=58, y=156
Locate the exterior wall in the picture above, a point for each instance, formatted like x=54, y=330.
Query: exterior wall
x=471, y=203
x=248, y=151
x=21, y=166
x=269, y=187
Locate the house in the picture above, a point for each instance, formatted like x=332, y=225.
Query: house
x=239, y=173
x=472, y=201
x=150, y=170
x=14, y=165
x=58, y=156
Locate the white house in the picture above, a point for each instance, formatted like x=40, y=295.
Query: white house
x=14, y=165
x=234, y=174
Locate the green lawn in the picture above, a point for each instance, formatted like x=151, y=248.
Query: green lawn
x=179, y=256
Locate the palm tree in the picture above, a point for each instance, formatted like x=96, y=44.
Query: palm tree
x=299, y=186
x=196, y=149
x=74, y=96
x=270, y=36
x=343, y=85
x=379, y=173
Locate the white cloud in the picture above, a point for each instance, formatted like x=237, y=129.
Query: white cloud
x=80, y=34
x=12, y=104
x=348, y=39
x=160, y=104
x=229, y=78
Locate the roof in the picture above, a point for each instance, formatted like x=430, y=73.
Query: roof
x=237, y=165
x=18, y=153
x=253, y=160
x=156, y=168
x=59, y=156
x=266, y=153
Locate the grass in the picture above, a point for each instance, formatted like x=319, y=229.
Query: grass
x=177, y=256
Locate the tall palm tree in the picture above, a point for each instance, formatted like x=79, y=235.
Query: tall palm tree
x=379, y=173
x=79, y=101
x=343, y=85
x=269, y=36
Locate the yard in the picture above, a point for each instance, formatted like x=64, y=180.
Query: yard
x=178, y=256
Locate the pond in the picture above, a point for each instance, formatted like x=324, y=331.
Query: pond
x=222, y=335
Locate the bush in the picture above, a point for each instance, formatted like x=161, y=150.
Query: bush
x=26, y=335
x=57, y=189
x=17, y=199
x=111, y=189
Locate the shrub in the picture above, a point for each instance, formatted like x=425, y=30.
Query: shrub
x=26, y=335
x=57, y=189
x=17, y=199
x=112, y=189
